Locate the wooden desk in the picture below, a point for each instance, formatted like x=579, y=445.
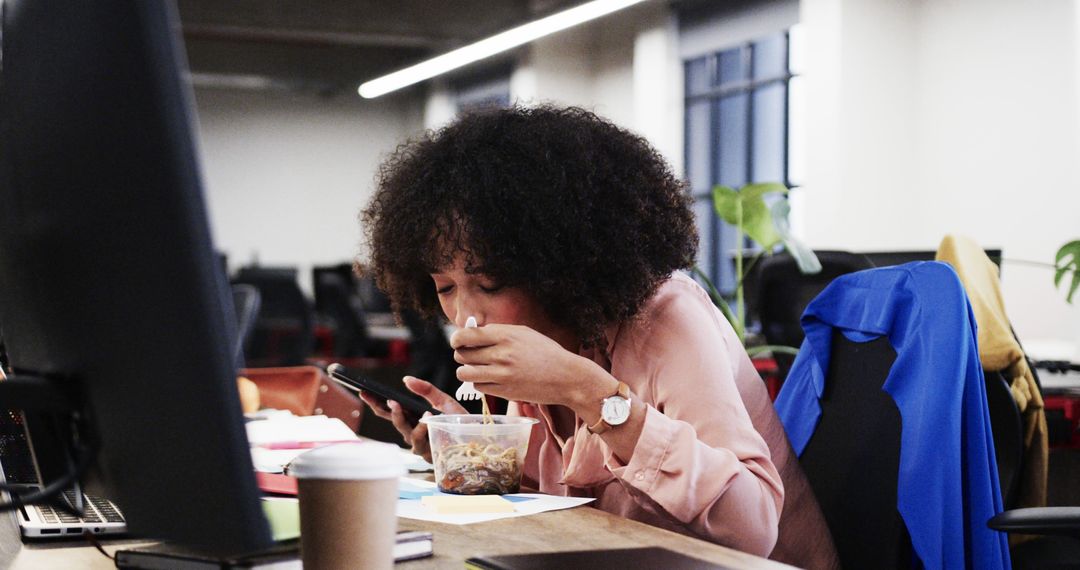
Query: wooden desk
x=580, y=528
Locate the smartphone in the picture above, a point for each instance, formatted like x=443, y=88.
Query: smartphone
x=413, y=405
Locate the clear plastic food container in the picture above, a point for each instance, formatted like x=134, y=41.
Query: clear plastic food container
x=474, y=458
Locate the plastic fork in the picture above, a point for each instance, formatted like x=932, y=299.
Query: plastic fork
x=466, y=391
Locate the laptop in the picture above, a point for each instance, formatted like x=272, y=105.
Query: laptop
x=19, y=470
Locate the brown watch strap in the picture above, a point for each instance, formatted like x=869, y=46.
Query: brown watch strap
x=602, y=426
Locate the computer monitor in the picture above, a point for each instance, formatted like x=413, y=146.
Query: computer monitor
x=109, y=286
x=888, y=258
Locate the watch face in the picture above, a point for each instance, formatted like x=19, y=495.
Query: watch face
x=615, y=410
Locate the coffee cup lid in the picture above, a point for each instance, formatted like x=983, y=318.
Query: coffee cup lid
x=349, y=461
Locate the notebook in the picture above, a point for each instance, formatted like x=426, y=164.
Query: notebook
x=19, y=469
x=653, y=557
x=285, y=556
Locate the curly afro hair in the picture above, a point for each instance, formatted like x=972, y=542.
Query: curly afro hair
x=585, y=217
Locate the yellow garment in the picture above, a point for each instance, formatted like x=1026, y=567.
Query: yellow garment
x=999, y=351
x=249, y=395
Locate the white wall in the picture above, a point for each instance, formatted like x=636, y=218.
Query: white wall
x=286, y=175
x=936, y=116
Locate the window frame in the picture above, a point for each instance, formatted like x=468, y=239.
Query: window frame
x=719, y=268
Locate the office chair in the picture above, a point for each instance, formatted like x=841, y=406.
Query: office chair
x=860, y=425
x=335, y=302
x=372, y=299
x=432, y=358
x=783, y=292
x=1055, y=530
x=886, y=407
x=1008, y=430
x=284, y=330
x=246, y=303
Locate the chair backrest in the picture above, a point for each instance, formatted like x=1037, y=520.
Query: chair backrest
x=783, y=292
x=859, y=426
x=372, y=298
x=1007, y=426
x=246, y=303
x=284, y=330
x=334, y=301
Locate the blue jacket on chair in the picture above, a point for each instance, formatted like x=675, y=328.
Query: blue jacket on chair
x=948, y=480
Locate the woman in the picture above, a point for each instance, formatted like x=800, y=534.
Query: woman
x=563, y=234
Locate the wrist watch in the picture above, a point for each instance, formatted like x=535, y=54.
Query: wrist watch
x=614, y=410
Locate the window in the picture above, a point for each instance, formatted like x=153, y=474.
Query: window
x=737, y=132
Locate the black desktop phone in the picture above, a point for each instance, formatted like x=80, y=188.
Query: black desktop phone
x=414, y=406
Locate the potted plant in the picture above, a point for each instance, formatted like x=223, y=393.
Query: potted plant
x=768, y=227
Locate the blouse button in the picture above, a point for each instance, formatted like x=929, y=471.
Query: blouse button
x=640, y=476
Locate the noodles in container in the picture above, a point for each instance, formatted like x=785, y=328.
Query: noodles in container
x=476, y=458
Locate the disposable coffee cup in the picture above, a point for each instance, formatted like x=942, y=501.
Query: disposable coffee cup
x=348, y=496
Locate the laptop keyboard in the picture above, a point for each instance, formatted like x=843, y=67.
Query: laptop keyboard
x=97, y=510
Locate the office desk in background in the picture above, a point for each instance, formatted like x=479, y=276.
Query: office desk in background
x=581, y=528
x=382, y=326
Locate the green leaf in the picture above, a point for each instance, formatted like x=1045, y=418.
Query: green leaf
x=804, y=256
x=746, y=208
x=752, y=191
x=758, y=223
x=1071, y=248
x=726, y=203
x=1068, y=260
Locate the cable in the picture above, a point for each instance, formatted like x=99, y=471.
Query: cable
x=89, y=536
x=49, y=491
x=84, y=455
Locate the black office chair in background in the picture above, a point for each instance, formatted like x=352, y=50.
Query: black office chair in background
x=1054, y=531
x=284, y=330
x=783, y=292
x=336, y=302
x=432, y=358
x=1008, y=430
x=372, y=299
x=246, y=304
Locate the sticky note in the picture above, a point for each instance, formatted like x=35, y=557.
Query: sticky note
x=284, y=517
x=466, y=504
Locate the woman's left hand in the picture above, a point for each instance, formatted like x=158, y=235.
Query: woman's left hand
x=518, y=363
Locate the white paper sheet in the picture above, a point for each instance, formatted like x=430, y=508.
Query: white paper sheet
x=297, y=429
x=274, y=460
x=414, y=462
x=532, y=504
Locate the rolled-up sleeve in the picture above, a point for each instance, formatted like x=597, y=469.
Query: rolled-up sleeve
x=699, y=460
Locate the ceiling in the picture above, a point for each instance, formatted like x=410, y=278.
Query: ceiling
x=333, y=45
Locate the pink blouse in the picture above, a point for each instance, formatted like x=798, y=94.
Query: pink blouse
x=712, y=460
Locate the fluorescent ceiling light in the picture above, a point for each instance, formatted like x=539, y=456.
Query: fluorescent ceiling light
x=498, y=43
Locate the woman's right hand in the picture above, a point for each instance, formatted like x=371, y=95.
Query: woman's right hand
x=415, y=436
